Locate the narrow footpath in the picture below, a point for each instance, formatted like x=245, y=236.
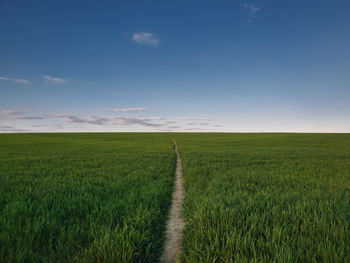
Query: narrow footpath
x=175, y=222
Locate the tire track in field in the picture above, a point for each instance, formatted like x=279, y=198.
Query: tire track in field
x=175, y=222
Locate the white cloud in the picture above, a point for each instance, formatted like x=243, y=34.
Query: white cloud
x=198, y=124
x=252, y=10
x=155, y=121
x=54, y=79
x=157, y=118
x=140, y=121
x=192, y=129
x=22, y=81
x=73, y=118
x=107, y=120
x=11, y=112
x=194, y=119
x=129, y=109
x=145, y=38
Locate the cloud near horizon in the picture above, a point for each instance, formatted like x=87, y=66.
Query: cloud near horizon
x=9, y=129
x=145, y=38
x=73, y=118
x=157, y=122
x=129, y=109
x=18, y=115
x=105, y=120
x=54, y=79
x=22, y=81
x=195, y=119
x=11, y=112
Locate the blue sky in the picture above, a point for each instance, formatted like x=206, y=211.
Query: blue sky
x=225, y=65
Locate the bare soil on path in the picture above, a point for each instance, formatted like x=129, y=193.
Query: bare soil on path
x=175, y=222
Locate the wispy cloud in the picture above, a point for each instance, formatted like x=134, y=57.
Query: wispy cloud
x=252, y=10
x=196, y=123
x=192, y=129
x=169, y=122
x=108, y=121
x=129, y=109
x=11, y=112
x=140, y=121
x=194, y=119
x=47, y=126
x=22, y=81
x=9, y=129
x=72, y=118
x=145, y=38
x=18, y=115
x=55, y=79
x=24, y=117
x=155, y=121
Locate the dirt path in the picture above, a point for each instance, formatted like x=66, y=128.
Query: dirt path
x=175, y=222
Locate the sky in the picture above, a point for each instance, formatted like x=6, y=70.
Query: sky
x=187, y=66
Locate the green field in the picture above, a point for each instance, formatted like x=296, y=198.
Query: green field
x=105, y=197
x=266, y=197
x=84, y=197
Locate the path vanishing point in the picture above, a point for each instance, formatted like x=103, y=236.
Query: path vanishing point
x=175, y=222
